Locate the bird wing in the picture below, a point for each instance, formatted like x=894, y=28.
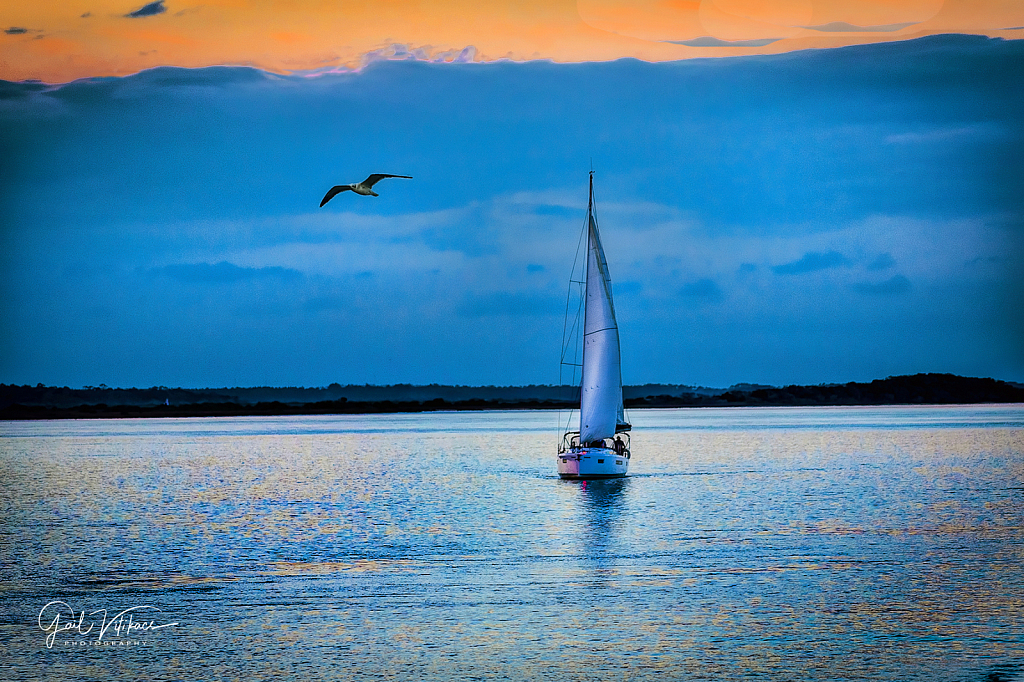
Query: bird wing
x=375, y=177
x=331, y=192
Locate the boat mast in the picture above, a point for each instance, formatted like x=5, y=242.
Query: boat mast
x=586, y=293
x=586, y=268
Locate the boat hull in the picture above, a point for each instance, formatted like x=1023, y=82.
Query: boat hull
x=592, y=462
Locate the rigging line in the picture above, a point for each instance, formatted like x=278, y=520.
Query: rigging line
x=575, y=322
x=568, y=295
x=576, y=397
x=573, y=334
x=581, y=313
x=573, y=338
x=565, y=321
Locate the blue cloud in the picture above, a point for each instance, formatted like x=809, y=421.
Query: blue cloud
x=508, y=303
x=884, y=261
x=22, y=91
x=149, y=10
x=843, y=27
x=897, y=284
x=702, y=288
x=708, y=41
x=552, y=210
x=15, y=30
x=224, y=272
x=811, y=262
x=627, y=287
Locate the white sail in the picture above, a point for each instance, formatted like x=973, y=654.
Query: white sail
x=601, y=389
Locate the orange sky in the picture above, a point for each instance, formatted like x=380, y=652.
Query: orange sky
x=61, y=41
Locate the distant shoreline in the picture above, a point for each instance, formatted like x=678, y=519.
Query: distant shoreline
x=40, y=402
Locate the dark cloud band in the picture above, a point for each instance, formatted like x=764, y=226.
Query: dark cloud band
x=843, y=27
x=149, y=10
x=708, y=41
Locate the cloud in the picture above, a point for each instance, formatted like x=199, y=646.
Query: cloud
x=895, y=285
x=812, y=261
x=843, y=27
x=149, y=10
x=627, y=287
x=945, y=135
x=709, y=41
x=214, y=76
x=984, y=260
x=402, y=52
x=465, y=56
x=702, y=288
x=19, y=91
x=15, y=30
x=510, y=303
x=883, y=262
x=223, y=272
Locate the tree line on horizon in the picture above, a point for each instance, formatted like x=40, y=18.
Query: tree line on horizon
x=53, y=396
x=43, y=402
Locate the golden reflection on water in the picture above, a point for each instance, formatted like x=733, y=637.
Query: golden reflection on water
x=309, y=548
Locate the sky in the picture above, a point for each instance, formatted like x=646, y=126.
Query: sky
x=808, y=216
x=57, y=42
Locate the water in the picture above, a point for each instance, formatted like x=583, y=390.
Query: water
x=783, y=544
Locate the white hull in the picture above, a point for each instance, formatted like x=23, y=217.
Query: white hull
x=592, y=462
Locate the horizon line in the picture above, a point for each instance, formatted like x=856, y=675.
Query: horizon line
x=161, y=387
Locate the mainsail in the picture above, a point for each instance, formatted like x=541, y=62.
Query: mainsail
x=601, y=414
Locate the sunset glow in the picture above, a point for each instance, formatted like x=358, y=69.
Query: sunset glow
x=59, y=42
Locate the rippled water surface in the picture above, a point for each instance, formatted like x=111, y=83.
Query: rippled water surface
x=783, y=544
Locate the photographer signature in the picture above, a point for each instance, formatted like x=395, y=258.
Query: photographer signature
x=58, y=618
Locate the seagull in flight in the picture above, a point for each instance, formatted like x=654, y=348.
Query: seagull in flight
x=365, y=187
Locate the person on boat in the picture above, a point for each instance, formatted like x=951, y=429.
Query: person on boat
x=620, y=447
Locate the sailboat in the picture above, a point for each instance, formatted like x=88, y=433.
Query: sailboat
x=600, y=447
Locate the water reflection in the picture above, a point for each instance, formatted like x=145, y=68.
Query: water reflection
x=603, y=506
